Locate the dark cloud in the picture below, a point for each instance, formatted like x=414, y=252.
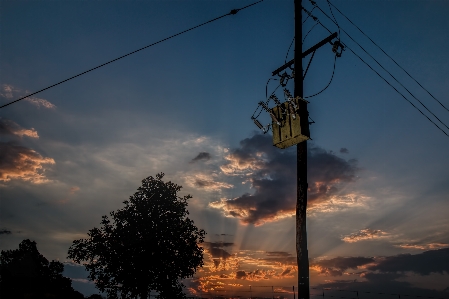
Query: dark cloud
x=240, y=275
x=203, y=156
x=218, y=244
x=206, y=182
x=10, y=128
x=19, y=162
x=5, y=232
x=272, y=173
x=436, y=261
x=344, y=150
x=216, y=251
x=336, y=266
x=285, y=272
x=377, y=285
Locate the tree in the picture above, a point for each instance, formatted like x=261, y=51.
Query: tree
x=25, y=273
x=150, y=245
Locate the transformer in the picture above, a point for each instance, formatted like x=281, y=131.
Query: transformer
x=293, y=118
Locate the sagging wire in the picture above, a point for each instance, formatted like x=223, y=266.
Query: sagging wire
x=380, y=76
x=391, y=75
x=416, y=81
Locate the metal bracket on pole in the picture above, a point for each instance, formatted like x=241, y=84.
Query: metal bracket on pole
x=307, y=52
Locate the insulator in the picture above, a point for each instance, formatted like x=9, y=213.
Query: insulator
x=282, y=81
x=259, y=124
x=274, y=118
x=287, y=93
x=292, y=110
x=264, y=106
x=275, y=99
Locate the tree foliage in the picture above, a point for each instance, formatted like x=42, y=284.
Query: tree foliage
x=150, y=244
x=25, y=273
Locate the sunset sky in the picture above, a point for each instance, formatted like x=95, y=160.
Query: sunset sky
x=378, y=169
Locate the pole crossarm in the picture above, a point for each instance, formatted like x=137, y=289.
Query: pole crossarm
x=307, y=52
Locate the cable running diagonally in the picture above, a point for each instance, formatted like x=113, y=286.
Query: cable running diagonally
x=328, y=84
x=232, y=12
x=389, y=57
x=384, y=80
x=425, y=107
x=288, y=51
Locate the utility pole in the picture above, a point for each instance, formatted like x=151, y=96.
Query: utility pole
x=290, y=126
x=301, y=151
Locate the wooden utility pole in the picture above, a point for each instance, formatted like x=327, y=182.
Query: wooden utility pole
x=289, y=130
x=301, y=149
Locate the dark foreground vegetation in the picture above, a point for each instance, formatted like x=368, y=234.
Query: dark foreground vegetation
x=149, y=245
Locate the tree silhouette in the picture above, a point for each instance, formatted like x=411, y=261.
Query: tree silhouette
x=25, y=273
x=150, y=245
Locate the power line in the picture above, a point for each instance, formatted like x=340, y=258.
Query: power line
x=232, y=12
x=389, y=56
x=383, y=78
x=383, y=67
x=328, y=84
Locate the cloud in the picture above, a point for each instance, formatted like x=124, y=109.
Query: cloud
x=240, y=275
x=19, y=162
x=40, y=103
x=5, y=232
x=272, y=174
x=336, y=266
x=344, y=150
x=424, y=263
x=7, y=91
x=364, y=234
x=74, y=189
x=217, y=255
x=203, y=156
x=429, y=246
x=10, y=92
x=278, y=253
x=218, y=244
x=10, y=128
x=205, y=182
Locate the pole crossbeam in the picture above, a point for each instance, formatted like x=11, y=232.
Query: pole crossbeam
x=307, y=52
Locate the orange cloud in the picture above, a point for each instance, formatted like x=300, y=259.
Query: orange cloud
x=40, y=103
x=10, y=128
x=365, y=234
x=74, y=189
x=18, y=162
x=272, y=174
x=429, y=246
x=206, y=182
x=10, y=92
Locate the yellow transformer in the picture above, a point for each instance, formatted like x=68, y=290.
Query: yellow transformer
x=290, y=123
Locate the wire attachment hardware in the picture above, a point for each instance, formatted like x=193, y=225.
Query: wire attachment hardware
x=336, y=46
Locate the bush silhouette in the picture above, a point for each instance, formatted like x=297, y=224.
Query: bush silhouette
x=25, y=273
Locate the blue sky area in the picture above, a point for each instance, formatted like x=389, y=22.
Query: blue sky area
x=378, y=169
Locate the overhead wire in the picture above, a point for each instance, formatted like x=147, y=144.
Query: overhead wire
x=328, y=84
x=389, y=74
x=416, y=81
x=394, y=78
x=232, y=12
x=288, y=51
x=310, y=30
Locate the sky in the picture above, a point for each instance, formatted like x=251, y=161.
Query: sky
x=378, y=172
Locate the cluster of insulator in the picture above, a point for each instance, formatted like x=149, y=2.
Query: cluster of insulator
x=285, y=77
x=338, y=48
x=264, y=129
x=291, y=110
